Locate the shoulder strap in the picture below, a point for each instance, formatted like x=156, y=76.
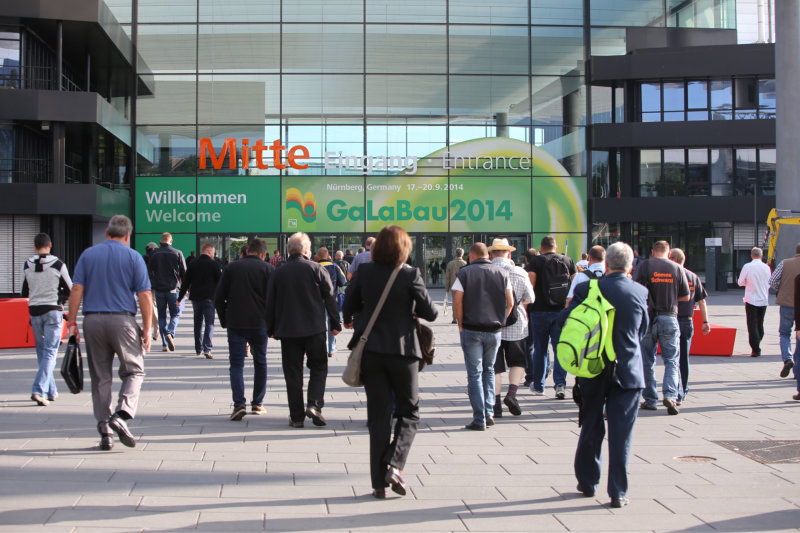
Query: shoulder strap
x=382, y=301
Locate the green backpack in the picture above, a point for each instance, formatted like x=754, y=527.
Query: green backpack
x=585, y=344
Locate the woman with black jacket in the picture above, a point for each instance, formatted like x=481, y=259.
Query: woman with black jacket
x=392, y=354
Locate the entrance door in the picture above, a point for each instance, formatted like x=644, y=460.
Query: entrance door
x=434, y=254
x=328, y=241
x=520, y=242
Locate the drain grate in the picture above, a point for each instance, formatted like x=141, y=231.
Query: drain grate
x=695, y=459
x=765, y=451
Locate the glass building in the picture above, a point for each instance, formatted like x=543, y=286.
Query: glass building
x=460, y=120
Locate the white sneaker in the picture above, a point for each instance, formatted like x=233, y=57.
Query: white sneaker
x=561, y=392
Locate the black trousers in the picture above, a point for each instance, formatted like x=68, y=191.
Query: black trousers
x=755, y=325
x=622, y=406
x=387, y=376
x=315, y=351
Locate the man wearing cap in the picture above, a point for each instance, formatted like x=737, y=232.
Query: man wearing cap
x=512, y=353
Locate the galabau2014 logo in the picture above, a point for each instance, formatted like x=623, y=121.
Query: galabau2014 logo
x=307, y=205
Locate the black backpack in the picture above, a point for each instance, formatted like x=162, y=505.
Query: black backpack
x=555, y=280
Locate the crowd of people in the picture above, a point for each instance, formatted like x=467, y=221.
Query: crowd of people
x=506, y=317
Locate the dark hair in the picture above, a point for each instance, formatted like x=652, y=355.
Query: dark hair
x=243, y=251
x=598, y=253
x=531, y=253
x=42, y=241
x=392, y=246
x=548, y=243
x=479, y=249
x=257, y=247
x=661, y=247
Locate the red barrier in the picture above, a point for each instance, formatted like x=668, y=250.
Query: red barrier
x=719, y=340
x=15, y=324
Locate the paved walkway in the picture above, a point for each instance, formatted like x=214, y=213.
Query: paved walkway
x=193, y=469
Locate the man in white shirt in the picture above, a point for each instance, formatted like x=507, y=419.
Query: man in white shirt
x=755, y=280
x=595, y=269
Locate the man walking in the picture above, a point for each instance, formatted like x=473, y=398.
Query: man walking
x=754, y=277
x=782, y=280
x=595, y=269
x=240, y=301
x=482, y=299
x=666, y=284
x=107, y=277
x=167, y=268
x=697, y=295
x=46, y=285
x=618, y=388
x=299, y=298
x=338, y=281
x=202, y=277
x=511, y=354
x=362, y=257
x=450, y=275
x=550, y=274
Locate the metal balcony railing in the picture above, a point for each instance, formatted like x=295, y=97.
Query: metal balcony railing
x=39, y=78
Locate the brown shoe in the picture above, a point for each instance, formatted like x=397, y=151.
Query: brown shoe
x=238, y=412
x=39, y=400
x=258, y=409
x=796, y=397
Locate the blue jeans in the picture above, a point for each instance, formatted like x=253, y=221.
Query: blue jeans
x=663, y=330
x=785, y=332
x=686, y=328
x=544, y=327
x=47, y=333
x=166, y=299
x=331, y=338
x=238, y=338
x=203, y=312
x=480, y=350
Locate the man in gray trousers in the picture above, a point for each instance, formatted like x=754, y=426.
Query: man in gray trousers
x=107, y=277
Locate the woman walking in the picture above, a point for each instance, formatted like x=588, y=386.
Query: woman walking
x=392, y=354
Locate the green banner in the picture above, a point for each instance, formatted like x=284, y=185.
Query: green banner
x=206, y=204
x=559, y=205
x=498, y=204
x=322, y=203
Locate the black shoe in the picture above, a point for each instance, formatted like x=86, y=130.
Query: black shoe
x=527, y=383
x=648, y=406
x=394, y=477
x=755, y=354
x=170, y=342
x=622, y=501
x=238, y=412
x=512, y=404
x=587, y=492
x=454, y=321
x=475, y=427
x=379, y=494
x=118, y=426
x=316, y=416
x=296, y=424
x=498, y=410
x=787, y=367
x=106, y=443
x=489, y=421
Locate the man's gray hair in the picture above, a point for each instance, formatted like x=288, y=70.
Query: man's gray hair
x=298, y=242
x=119, y=226
x=339, y=254
x=619, y=257
x=757, y=252
x=459, y=252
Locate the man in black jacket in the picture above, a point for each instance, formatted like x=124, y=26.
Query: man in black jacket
x=300, y=293
x=202, y=276
x=241, y=306
x=166, y=268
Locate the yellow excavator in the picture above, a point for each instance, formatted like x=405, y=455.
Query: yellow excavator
x=776, y=220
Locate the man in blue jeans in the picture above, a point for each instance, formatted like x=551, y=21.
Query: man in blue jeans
x=167, y=268
x=666, y=284
x=202, y=277
x=782, y=280
x=482, y=299
x=550, y=274
x=241, y=301
x=47, y=285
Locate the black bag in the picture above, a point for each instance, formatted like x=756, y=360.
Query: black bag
x=555, y=280
x=427, y=343
x=511, y=319
x=72, y=366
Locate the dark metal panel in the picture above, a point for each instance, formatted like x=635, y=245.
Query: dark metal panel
x=18, y=199
x=691, y=209
x=67, y=199
x=686, y=62
x=683, y=134
x=54, y=106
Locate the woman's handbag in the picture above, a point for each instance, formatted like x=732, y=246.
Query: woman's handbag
x=427, y=344
x=72, y=366
x=352, y=372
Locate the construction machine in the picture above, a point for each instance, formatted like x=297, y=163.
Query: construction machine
x=783, y=235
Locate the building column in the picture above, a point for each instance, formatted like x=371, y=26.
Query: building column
x=787, y=77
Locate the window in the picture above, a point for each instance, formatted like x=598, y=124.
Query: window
x=697, y=98
x=746, y=171
x=674, y=173
x=766, y=98
x=649, y=172
x=651, y=102
x=673, y=101
x=721, y=100
x=766, y=171
x=721, y=172
x=697, y=172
